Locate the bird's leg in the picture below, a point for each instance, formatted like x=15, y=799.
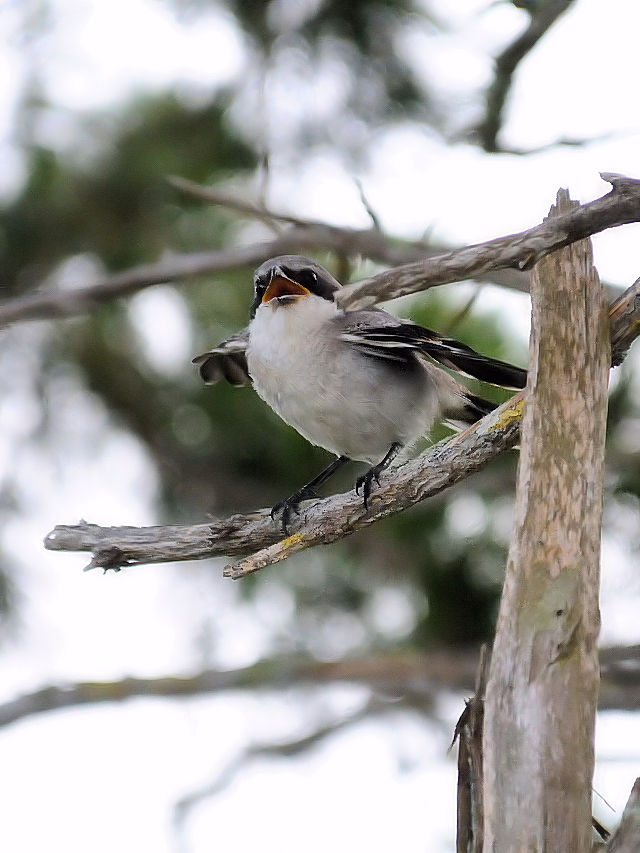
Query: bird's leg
x=366, y=480
x=291, y=504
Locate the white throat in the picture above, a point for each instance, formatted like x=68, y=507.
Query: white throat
x=279, y=331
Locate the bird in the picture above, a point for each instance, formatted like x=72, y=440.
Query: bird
x=363, y=385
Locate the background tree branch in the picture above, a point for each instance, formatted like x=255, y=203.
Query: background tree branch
x=501, y=261
x=626, y=838
x=422, y=675
x=542, y=16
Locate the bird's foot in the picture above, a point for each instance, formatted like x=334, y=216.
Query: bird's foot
x=365, y=482
x=291, y=505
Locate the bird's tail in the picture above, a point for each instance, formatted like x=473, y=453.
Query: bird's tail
x=467, y=409
x=477, y=407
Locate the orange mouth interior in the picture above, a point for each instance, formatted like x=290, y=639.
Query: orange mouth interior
x=279, y=286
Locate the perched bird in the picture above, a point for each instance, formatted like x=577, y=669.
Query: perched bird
x=361, y=384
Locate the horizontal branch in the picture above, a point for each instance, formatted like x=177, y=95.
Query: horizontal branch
x=319, y=522
x=383, y=249
x=330, y=519
x=394, y=672
x=501, y=261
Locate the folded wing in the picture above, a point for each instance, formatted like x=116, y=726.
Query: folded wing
x=398, y=340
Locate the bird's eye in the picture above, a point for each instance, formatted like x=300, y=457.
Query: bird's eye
x=306, y=277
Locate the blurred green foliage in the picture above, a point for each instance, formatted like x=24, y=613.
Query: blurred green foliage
x=115, y=203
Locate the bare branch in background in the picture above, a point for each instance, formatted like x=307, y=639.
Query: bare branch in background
x=542, y=16
x=501, y=261
x=419, y=675
x=47, y=304
x=282, y=749
x=563, y=142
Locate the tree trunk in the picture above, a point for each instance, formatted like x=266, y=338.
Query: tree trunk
x=543, y=683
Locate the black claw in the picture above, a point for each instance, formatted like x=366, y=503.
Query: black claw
x=364, y=483
x=289, y=505
x=373, y=473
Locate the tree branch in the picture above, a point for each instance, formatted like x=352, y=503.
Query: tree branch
x=501, y=261
x=332, y=518
x=624, y=316
x=626, y=838
x=542, y=16
x=320, y=522
x=620, y=206
x=375, y=244
x=280, y=749
x=66, y=303
x=420, y=674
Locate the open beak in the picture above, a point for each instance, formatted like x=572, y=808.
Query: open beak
x=281, y=286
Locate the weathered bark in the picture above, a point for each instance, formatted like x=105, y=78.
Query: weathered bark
x=626, y=839
x=319, y=522
x=542, y=692
x=470, y=817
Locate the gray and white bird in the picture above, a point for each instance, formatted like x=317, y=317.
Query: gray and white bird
x=361, y=384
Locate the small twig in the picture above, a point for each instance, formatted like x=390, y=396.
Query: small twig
x=216, y=195
x=373, y=216
x=462, y=312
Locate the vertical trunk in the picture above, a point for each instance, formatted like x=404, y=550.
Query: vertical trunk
x=543, y=683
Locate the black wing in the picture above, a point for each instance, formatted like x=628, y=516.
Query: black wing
x=226, y=361
x=397, y=340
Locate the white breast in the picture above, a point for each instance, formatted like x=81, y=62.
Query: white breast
x=329, y=393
